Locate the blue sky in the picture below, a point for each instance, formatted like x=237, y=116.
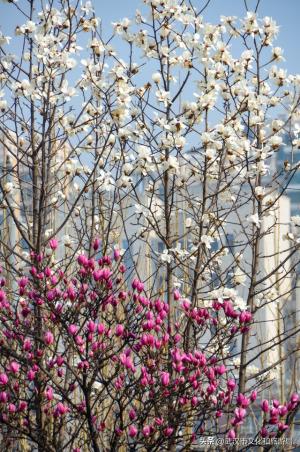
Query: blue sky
x=285, y=12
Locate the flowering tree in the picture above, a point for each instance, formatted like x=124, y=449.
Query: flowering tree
x=142, y=228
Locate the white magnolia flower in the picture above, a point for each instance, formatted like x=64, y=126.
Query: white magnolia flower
x=139, y=209
x=70, y=63
x=207, y=240
x=239, y=276
x=144, y=153
x=258, y=300
x=275, y=142
x=188, y=222
x=111, y=139
x=180, y=142
x=178, y=251
x=288, y=236
x=97, y=385
x=236, y=361
x=8, y=187
x=156, y=77
x=67, y=90
x=163, y=96
x=240, y=303
x=296, y=220
x=124, y=181
x=24, y=87
x=165, y=257
x=29, y=27
x=251, y=370
x=122, y=26
x=172, y=163
x=276, y=125
x=270, y=374
x=254, y=219
x=277, y=53
x=3, y=105
x=87, y=7
x=210, y=153
x=259, y=191
x=105, y=181
x=229, y=292
x=54, y=200
x=4, y=39
x=48, y=232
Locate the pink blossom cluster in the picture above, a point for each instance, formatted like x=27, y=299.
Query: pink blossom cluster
x=80, y=341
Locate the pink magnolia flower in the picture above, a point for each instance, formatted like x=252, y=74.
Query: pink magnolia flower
x=253, y=396
x=100, y=328
x=240, y=414
x=3, y=397
x=48, y=272
x=51, y=294
x=165, y=378
x=12, y=408
x=3, y=379
x=146, y=430
x=23, y=281
x=91, y=326
x=117, y=254
x=194, y=401
x=132, y=431
x=265, y=406
x=31, y=375
x=168, y=431
x=13, y=367
x=264, y=432
x=27, y=345
x=177, y=338
x=96, y=244
x=158, y=421
x=245, y=317
x=22, y=406
x=48, y=338
x=127, y=362
x=53, y=243
x=138, y=285
x=2, y=296
x=242, y=401
x=119, y=330
x=283, y=410
x=282, y=426
x=274, y=412
x=211, y=389
x=132, y=414
x=231, y=434
x=82, y=260
x=49, y=394
x=97, y=275
x=72, y=329
x=60, y=360
x=61, y=409
x=220, y=370
x=176, y=295
x=231, y=384
x=79, y=340
x=294, y=398
x=122, y=268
